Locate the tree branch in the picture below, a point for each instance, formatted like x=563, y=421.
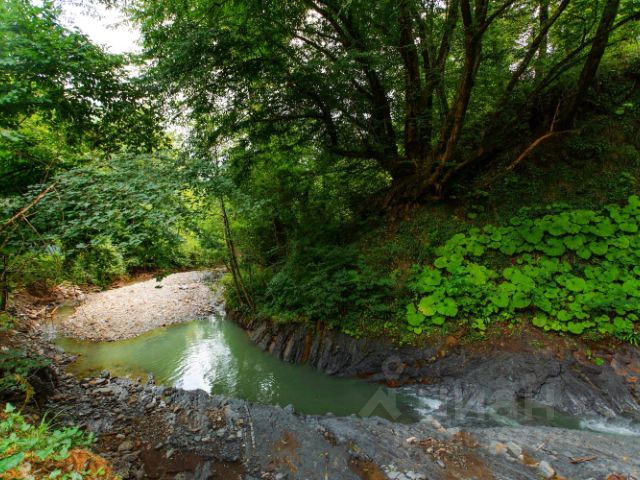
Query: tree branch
x=28, y=207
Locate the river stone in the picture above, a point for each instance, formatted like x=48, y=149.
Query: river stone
x=498, y=448
x=125, y=446
x=514, y=449
x=546, y=469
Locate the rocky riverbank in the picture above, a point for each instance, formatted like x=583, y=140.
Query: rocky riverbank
x=128, y=311
x=494, y=373
x=156, y=432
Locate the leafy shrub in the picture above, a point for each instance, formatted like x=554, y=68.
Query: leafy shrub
x=6, y=322
x=330, y=284
x=16, y=366
x=41, y=452
x=40, y=266
x=571, y=271
x=99, y=263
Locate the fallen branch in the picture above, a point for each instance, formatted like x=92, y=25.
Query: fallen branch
x=582, y=459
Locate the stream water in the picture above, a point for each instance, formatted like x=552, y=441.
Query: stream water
x=217, y=356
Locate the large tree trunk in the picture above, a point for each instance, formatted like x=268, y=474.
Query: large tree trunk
x=591, y=65
x=404, y=190
x=451, y=131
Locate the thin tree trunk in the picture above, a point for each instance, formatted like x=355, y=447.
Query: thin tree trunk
x=25, y=209
x=4, y=285
x=413, y=138
x=241, y=289
x=592, y=63
x=543, y=18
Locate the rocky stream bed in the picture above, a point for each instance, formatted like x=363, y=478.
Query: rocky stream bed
x=155, y=432
x=159, y=432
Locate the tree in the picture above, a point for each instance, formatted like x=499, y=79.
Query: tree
x=61, y=97
x=425, y=89
x=67, y=199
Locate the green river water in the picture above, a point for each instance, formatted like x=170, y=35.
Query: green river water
x=217, y=356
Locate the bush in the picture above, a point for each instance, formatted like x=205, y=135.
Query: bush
x=41, y=267
x=38, y=451
x=330, y=284
x=16, y=366
x=100, y=264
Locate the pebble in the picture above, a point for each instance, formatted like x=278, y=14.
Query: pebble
x=546, y=469
x=125, y=446
x=104, y=390
x=498, y=448
x=514, y=449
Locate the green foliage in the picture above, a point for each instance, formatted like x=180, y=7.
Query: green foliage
x=570, y=271
x=7, y=322
x=347, y=79
x=42, y=267
x=16, y=366
x=128, y=207
x=332, y=285
x=104, y=220
x=66, y=107
x=100, y=264
x=62, y=96
x=21, y=442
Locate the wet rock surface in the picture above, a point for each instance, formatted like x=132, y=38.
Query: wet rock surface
x=466, y=378
x=153, y=432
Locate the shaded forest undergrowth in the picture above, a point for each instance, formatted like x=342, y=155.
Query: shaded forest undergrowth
x=564, y=224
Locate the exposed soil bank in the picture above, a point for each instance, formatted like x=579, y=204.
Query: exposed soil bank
x=136, y=308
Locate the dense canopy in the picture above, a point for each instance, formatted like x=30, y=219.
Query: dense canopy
x=422, y=90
